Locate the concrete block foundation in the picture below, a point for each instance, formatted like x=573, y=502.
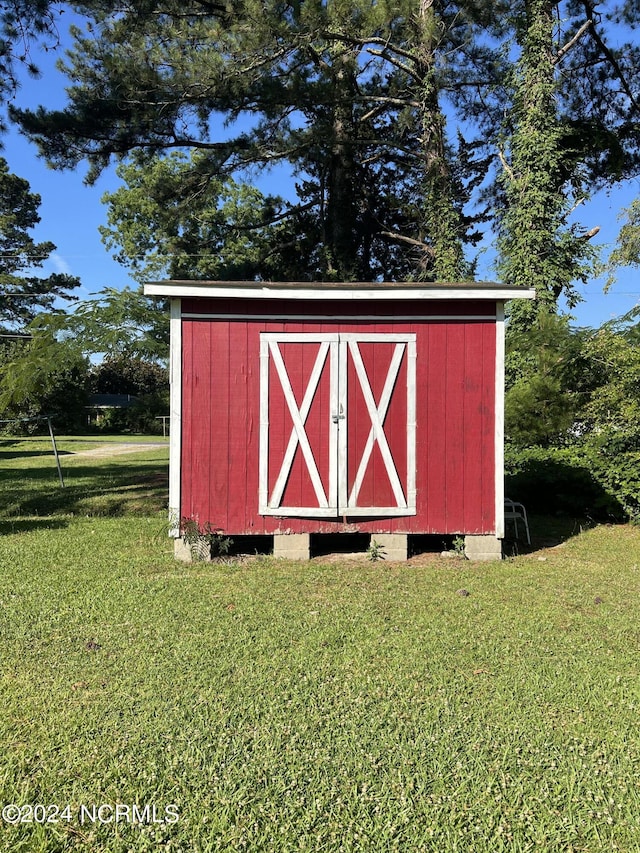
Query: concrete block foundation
x=181, y=551
x=292, y=546
x=394, y=546
x=191, y=552
x=482, y=548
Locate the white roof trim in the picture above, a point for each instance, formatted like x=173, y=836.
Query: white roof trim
x=344, y=292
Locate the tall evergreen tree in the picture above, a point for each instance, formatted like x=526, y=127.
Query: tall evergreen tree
x=561, y=143
x=23, y=293
x=326, y=88
x=537, y=249
x=353, y=97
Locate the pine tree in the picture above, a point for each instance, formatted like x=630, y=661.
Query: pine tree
x=22, y=293
x=538, y=247
x=322, y=87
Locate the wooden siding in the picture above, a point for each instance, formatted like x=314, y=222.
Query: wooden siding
x=455, y=405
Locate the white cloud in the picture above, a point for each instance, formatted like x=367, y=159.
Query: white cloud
x=59, y=264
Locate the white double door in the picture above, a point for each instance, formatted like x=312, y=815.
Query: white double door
x=337, y=424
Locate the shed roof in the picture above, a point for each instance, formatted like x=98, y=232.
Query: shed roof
x=365, y=290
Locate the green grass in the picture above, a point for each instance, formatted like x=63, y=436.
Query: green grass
x=326, y=706
x=29, y=483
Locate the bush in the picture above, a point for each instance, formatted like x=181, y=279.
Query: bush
x=573, y=481
x=620, y=475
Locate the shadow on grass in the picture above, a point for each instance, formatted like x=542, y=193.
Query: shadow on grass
x=563, y=495
x=546, y=532
x=549, y=485
x=9, y=455
x=125, y=488
x=27, y=525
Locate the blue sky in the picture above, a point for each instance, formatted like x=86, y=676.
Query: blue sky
x=72, y=212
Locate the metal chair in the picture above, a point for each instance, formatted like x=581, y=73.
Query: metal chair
x=514, y=511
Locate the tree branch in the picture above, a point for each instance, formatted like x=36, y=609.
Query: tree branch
x=402, y=239
x=363, y=42
x=589, y=7
x=572, y=41
x=591, y=233
x=401, y=66
x=505, y=165
x=382, y=102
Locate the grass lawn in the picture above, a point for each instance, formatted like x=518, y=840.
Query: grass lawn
x=132, y=484
x=264, y=705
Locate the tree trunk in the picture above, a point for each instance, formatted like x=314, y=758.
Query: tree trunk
x=445, y=260
x=537, y=247
x=341, y=214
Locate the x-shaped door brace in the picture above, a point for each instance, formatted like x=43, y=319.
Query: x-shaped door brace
x=338, y=346
x=299, y=418
x=377, y=413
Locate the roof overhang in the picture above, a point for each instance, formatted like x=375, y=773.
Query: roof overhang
x=367, y=291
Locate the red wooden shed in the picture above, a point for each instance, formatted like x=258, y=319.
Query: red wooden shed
x=377, y=408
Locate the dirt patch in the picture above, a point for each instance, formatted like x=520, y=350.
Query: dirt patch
x=106, y=450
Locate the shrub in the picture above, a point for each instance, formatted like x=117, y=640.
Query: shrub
x=620, y=475
x=204, y=541
x=572, y=481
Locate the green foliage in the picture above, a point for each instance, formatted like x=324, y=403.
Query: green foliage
x=375, y=551
x=538, y=248
x=538, y=411
x=23, y=25
x=569, y=385
x=566, y=481
x=50, y=373
x=347, y=97
x=458, y=545
x=572, y=417
x=547, y=380
x=619, y=474
x=173, y=218
x=43, y=377
x=115, y=322
x=37, y=376
x=612, y=412
x=627, y=251
x=142, y=417
x=120, y=374
x=145, y=380
x=350, y=100
x=597, y=61
x=23, y=294
x=578, y=481
x=204, y=540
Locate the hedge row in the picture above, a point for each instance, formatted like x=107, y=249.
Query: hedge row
x=576, y=481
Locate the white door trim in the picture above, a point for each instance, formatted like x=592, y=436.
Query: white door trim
x=377, y=413
x=299, y=417
x=175, y=417
x=339, y=347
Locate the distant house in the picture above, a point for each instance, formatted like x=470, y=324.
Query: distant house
x=100, y=404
